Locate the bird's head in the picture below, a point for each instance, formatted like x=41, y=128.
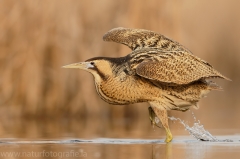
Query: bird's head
x=100, y=67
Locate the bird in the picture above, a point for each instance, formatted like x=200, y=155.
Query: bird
x=158, y=70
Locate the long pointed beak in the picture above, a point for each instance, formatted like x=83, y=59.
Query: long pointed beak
x=80, y=65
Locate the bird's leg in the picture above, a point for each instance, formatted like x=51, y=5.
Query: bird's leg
x=152, y=117
x=162, y=115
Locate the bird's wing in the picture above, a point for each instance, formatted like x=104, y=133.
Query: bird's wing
x=139, y=38
x=176, y=68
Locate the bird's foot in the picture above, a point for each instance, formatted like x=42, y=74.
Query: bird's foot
x=169, y=136
x=162, y=115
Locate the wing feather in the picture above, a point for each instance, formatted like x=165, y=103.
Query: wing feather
x=176, y=68
x=139, y=38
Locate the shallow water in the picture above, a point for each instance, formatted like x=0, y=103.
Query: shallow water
x=181, y=147
x=94, y=138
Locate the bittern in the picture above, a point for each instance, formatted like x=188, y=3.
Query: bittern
x=159, y=71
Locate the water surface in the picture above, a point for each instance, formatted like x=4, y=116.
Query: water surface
x=122, y=138
x=181, y=147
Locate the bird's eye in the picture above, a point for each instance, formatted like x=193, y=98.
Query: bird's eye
x=92, y=63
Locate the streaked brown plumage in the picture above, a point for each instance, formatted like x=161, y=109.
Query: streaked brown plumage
x=159, y=71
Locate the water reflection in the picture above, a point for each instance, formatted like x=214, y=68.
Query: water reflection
x=182, y=147
x=162, y=151
x=197, y=150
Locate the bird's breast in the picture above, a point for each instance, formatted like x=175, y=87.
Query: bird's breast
x=130, y=90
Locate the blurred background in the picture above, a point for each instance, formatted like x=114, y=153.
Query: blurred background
x=40, y=99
